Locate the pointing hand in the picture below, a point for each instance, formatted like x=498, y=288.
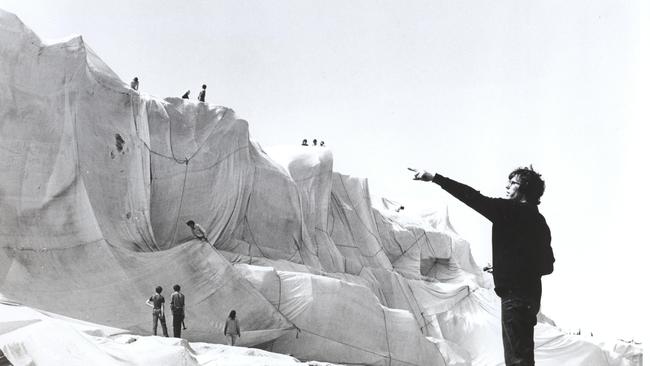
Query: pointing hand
x=422, y=175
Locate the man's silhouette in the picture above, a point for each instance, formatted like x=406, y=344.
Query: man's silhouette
x=521, y=252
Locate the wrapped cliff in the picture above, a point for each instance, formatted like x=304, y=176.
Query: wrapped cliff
x=98, y=181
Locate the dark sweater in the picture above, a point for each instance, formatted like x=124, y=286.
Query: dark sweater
x=519, y=232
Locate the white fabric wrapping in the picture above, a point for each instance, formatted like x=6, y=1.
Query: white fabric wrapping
x=98, y=181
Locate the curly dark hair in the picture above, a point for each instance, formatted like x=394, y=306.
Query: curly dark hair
x=532, y=185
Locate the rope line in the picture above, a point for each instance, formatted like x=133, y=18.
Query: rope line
x=223, y=111
x=347, y=193
x=180, y=203
x=253, y=239
x=408, y=302
x=410, y=246
x=383, y=313
x=279, y=290
x=389, y=356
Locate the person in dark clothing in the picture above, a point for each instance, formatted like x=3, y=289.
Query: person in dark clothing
x=315, y=142
x=135, y=83
x=202, y=93
x=177, y=305
x=157, y=302
x=198, y=231
x=186, y=95
x=304, y=142
x=521, y=253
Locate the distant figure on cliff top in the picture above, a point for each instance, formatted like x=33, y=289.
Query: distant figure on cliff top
x=135, y=83
x=186, y=95
x=322, y=144
x=315, y=142
x=231, y=329
x=304, y=142
x=197, y=230
x=157, y=302
x=202, y=93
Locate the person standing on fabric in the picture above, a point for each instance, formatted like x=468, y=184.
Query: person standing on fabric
x=521, y=252
x=198, y=231
x=202, y=93
x=157, y=302
x=177, y=305
x=231, y=329
x=135, y=84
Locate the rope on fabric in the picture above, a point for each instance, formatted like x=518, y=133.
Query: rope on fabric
x=347, y=193
x=180, y=203
x=415, y=242
x=248, y=227
x=390, y=358
x=223, y=111
x=401, y=287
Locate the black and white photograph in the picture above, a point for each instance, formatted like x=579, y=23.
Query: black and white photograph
x=276, y=183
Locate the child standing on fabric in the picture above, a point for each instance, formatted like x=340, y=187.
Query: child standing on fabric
x=231, y=329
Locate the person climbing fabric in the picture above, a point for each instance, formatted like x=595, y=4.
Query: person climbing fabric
x=197, y=230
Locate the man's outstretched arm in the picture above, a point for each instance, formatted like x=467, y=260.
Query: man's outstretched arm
x=486, y=206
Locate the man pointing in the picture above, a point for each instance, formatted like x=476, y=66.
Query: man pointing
x=521, y=253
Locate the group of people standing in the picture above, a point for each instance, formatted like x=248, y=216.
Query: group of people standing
x=314, y=142
x=231, y=328
x=135, y=84
x=177, y=305
x=201, y=94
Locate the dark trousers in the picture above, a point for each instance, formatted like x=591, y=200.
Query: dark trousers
x=176, y=324
x=157, y=315
x=518, y=319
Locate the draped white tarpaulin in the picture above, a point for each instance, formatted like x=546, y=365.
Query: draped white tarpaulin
x=98, y=181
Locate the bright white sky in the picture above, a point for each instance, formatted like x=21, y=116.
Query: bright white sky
x=470, y=89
